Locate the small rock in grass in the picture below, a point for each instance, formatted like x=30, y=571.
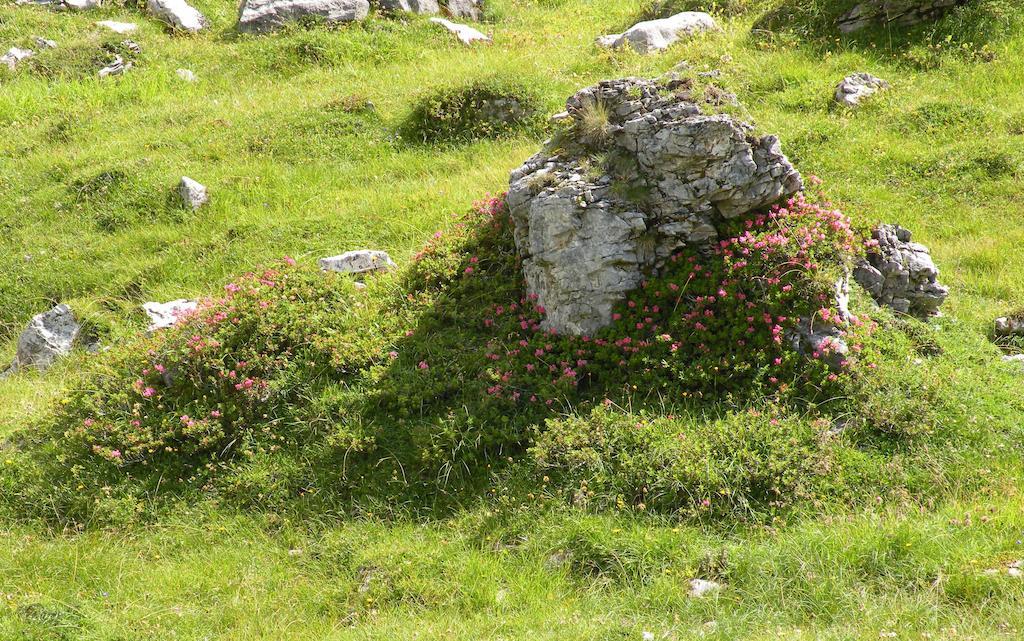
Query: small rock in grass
x=856, y=87
x=15, y=55
x=423, y=7
x=357, y=262
x=1016, y=569
x=467, y=35
x=49, y=336
x=471, y=9
x=1010, y=326
x=701, y=587
x=655, y=35
x=192, y=193
x=43, y=43
x=178, y=14
x=118, y=27
x=164, y=315
x=115, y=68
x=187, y=75
x=258, y=16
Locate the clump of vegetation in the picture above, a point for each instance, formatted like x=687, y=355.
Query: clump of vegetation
x=490, y=108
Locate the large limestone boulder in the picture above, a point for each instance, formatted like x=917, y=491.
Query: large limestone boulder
x=586, y=240
x=178, y=14
x=48, y=336
x=900, y=274
x=899, y=12
x=655, y=35
x=259, y=16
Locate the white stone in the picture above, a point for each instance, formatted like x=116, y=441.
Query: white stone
x=856, y=87
x=49, y=336
x=118, y=27
x=193, y=193
x=187, y=75
x=15, y=55
x=163, y=315
x=258, y=16
x=701, y=587
x=177, y=13
x=115, y=68
x=425, y=7
x=43, y=43
x=357, y=262
x=655, y=35
x=467, y=35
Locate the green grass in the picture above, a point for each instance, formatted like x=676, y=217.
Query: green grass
x=87, y=216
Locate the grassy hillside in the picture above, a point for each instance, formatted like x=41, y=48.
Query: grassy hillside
x=355, y=519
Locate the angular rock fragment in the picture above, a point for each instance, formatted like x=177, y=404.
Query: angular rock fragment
x=163, y=315
x=656, y=35
x=178, y=14
x=115, y=68
x=856, y=87
x=258, y=16
x=14, y=56
x=900, y=274
x=467, y=35
x=192, y=193
x=1010, y=326
x=585, y=241
x=358, y=262
x=48, y=337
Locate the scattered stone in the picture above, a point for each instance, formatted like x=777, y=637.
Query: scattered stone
x=49, y=336
x=701, y=587
x=424, y=7
x=115, y=68
x=856, y=87
x=1010, y=326
x=258, y=16
x=178, y=14
x=118, y=27
x=656, y=35
x=470, y=9
x=899, y=12
x=358, y=262
x=132, y=46
x=900, y=274
x=15, y=55
x=1016, y=569
x=584, y=245
x=187, y=75
x=467, y=35
x=192, y=193
x=1015, y=359
x=164, y=315
x=43, y=43
x=823, y=340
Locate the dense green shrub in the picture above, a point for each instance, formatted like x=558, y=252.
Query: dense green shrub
x=489, y=108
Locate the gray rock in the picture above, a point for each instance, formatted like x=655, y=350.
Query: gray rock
x=411, y=6
x=193, y=194
x=15, y=55
x=467, y=35
x=900, y=274
x=1016, y=359
x=43, y=43
x=357, y=262
x=856, y=87
x=164, y=315
x=49, y=336
x=1010, y=326
x=258, y=16
x=824, y=340
x=118, y=27
x=64, y=5
x=470, y=9
x=178, y=14
x=655, y=35
x=115, y=68
x=702, y=587
x=898, y=12
x=584, y=243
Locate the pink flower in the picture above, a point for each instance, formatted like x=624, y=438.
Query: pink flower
x=423, y=365
x=289, y=261
x=115, y=453
x=148, y=392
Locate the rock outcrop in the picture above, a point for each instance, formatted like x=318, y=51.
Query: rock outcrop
x=192, y=193
x=49, y=336
x=423, y=7
x=357, y=262
x=856, y=87
x=900, y=274
x=898, y=12
x=258, y=16
x=163, y=315
x=467, y=35
x=178, y=14
x=586, y=237
x=655, y=35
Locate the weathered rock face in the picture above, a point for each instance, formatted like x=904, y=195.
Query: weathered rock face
x=258, y=16
x=192, y=193
x=358, y=262
x=177, y=13
x=900, y=274
x=411, y=6
x=900, y=12
x=467, y=35
x=48, y=336
x=163, y=315
x=856, y=87
x=587, y=236
x=655, y=35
